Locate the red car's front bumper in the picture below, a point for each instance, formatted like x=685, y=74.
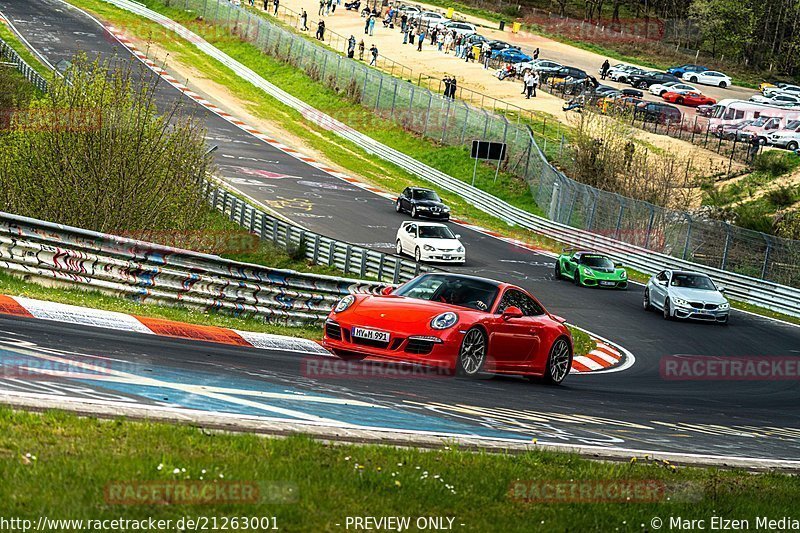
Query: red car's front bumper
x=413, y=347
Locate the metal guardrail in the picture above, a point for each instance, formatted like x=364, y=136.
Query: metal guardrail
x=25, y=69
x=349, y=258
x=146, y=271
x=564, y=198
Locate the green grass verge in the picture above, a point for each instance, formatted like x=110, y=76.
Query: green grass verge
x=59, y=465
x=11, y=39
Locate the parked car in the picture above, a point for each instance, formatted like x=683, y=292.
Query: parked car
x=618, y=103
x=622, y=74
x=461, y=28
x=658, y=113
x=430, y=241
x=420, y=202
x=464, y=324
x=659, y=89
x=779, y=99
x=683, y=69
x=411, y=11
x=792, y=90
x=691, y=99
x=788, y=137
x=475, y=39
x=709, y=77
x=566, y=72
x=430, y=18
x=497, y=45
x=690, y=295
x=705, y=110
x=645, y=80
x=732, y=132
x=511, y=55
x=761, y=128
x=539, y=65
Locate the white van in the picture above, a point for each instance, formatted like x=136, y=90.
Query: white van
x=730, y=111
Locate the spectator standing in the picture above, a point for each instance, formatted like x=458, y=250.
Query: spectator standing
x=525, y=80
x=266, y=5
x=440, y=41
x=536, y=54
x=328, y=5
x=372, y=26
x=374, y=53
x=453, y=87
x=351, y=46
x=276, y=3
x=446, y=82
x=420, y=39
x=366, y=25
x=321, y=7
x=321, y=30
x=535, y=82
x=487, y=55
x=604, y=69
x=448, y=43
x=304, y=21
x=528, y=87
x=404, y=23
x=361, y=47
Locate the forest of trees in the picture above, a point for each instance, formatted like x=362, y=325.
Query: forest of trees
x=761, y=34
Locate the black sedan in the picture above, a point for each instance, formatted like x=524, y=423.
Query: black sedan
x=644, y=81
x=419, y=202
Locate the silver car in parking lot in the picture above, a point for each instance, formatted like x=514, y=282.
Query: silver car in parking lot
x=685, y=294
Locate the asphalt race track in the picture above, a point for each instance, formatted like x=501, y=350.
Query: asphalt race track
x=636, y=408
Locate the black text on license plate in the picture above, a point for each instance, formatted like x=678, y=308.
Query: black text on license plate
x=371, y=334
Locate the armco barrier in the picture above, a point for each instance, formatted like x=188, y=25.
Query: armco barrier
x=30, y=74
x=147, y=271
x=351, y=259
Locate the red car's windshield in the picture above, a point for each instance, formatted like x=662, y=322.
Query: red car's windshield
x=454, y=290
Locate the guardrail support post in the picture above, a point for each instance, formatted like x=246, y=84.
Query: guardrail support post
x=347, y=252
x=363, y=269
x=554, y=201
x=396, y=277
x=380, y=266
x=315, y=257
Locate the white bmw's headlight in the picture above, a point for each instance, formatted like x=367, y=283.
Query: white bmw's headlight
x=429, y=248
x=680, y=303
x=587, y=272
x=444, y=321
x=724, y=306
x=344, y=303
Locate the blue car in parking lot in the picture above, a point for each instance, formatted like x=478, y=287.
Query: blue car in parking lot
x=512, y=55
x=683, y=69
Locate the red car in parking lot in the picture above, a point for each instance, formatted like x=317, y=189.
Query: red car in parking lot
x=691, y=99
x=461, y=323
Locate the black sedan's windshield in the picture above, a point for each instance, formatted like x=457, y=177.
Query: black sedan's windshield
x=693, y=281
x=463, y=292
x=435, y=232
x=597, y=261
x=426, y=195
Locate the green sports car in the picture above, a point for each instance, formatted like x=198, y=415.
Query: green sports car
x=590, y=269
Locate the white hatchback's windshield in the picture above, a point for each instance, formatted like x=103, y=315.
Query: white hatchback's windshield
x=435, y=232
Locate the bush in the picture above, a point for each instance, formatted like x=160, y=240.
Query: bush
x=96, y=153
x=782, y=197
x=775, y=163
x=753, y=216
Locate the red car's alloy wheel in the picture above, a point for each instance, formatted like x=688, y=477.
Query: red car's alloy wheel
x=559, y=362
x=472, y=355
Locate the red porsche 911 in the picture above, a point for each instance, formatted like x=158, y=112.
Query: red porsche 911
x=465, y=324
x=692, y=99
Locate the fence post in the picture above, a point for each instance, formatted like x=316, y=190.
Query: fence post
x=727, y=246
x=427, y=113
x=766, y=255
x=619, y=218
x=380, y=90
x=466, y=121
x=394, y=99
x=649, y=226
x=554, y=196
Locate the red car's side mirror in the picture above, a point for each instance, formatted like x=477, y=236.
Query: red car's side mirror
x=512, y=312
x=387, y=290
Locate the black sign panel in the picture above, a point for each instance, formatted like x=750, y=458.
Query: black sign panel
x=488, y=150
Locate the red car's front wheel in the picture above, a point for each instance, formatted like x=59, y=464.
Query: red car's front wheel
x=472, y=354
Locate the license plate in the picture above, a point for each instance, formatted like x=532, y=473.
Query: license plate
x=446, y=257
x=371, y=334
x=608, y=283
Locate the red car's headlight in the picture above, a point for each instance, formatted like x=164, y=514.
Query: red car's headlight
x=344, y=303
x=445, y=320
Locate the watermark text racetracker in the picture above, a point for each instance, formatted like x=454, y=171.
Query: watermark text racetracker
x=735, y=368
x=725, y=523
x=185, y=523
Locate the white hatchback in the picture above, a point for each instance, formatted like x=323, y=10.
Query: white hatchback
x=709, y=77
x=429, y=241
